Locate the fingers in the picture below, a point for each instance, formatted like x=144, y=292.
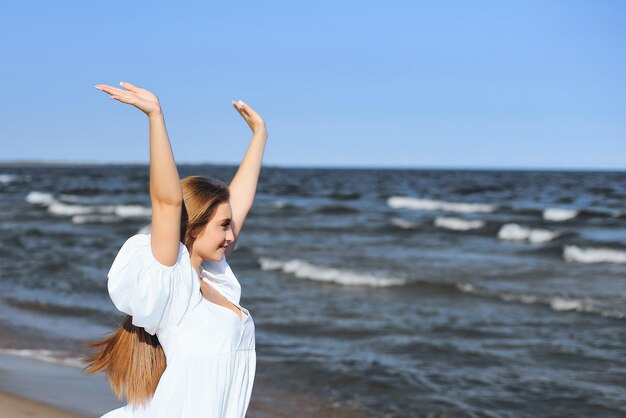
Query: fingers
x=109, y=89
x=244, y=109
x=247, y=112
x=114, y=93
x=239, y=105
x=129, y=86
x=114, y=90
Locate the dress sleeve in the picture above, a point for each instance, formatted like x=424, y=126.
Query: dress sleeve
x=155, y=295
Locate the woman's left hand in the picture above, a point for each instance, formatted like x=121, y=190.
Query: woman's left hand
x=254, y=121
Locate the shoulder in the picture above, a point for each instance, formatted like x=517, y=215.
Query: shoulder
x=139, y=245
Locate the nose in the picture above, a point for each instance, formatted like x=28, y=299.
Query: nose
x=230, y=236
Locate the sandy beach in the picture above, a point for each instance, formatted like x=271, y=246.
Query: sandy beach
x=12, y=406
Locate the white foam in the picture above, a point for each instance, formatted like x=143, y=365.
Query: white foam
x=122, y=211
x=559, y=214
x=516, y=232
x=57, y=207
x=556, y=303
x=39, y=198
x=7, y=178
x=84, y=219
x=466, y=287
x=542, y=235
x=49, y=356
x=132, y=211
x=305, y=270
x=573, y=253
x=510, y=297
x=80, y=213
x=458, y=224
x=403, y=223
x=563, y=304
x=428, y=204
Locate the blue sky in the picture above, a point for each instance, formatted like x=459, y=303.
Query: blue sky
x=482, y=84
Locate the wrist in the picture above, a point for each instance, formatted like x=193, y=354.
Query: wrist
x=260, y=131
x=157, y=113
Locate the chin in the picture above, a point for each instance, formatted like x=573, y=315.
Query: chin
x=217, y=257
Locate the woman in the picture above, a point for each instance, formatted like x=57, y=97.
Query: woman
x=187, y=347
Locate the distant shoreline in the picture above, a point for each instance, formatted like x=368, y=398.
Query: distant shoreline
x=53, y=163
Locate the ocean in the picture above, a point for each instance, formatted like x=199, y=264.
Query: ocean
x=392, y=292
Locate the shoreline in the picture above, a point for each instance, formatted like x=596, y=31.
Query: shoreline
x=32, y=388
x=19, y=407
x=37, y=385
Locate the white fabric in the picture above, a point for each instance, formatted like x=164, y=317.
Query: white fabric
x=210, y=350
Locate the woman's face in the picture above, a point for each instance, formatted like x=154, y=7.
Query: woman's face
x=209, y=243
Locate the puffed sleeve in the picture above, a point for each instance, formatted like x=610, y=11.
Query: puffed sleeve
x=156, y=295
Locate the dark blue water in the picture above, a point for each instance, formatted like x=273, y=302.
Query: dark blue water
x=395, y=292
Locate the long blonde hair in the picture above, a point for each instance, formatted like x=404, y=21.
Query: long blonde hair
x=133, y=360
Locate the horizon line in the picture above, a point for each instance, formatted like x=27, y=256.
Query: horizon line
x=9, y=163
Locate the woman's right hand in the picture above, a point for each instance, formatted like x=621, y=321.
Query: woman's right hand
x=142, y=99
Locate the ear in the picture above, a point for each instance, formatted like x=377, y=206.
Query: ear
x=195, y=232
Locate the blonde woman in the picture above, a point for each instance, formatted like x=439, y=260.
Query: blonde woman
x=187, y=347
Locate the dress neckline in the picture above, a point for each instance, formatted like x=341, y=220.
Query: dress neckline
x=220, y=277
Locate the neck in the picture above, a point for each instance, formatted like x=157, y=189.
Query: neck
x=195, y=263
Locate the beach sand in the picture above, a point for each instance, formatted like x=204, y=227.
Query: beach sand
x=12, y=406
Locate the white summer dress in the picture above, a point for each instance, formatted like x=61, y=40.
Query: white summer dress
x=210, y=350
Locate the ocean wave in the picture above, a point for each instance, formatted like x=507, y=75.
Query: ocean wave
x=407, y=202
x=403, y=223
x=304, y=270
x=573, y=253
x=56, y=207
x=58, y=357
x=71, y=198
x=516, y=232
x=95, y=219
x=62, y=307
x=39, y=198
x=132, y=211
x=7, y=178
x=600, y=213
x=458, y=224
x=81, y=213
x=559, y=214
x=556, y=303
x=281, y=204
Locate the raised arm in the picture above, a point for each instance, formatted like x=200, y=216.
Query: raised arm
x=166, y=194
x=243, y=185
